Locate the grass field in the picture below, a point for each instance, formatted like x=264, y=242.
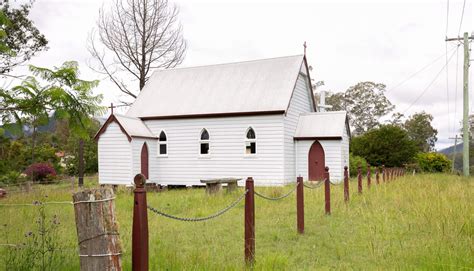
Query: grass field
x=424, y=223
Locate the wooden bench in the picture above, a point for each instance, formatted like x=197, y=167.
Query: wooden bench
x=214, y=185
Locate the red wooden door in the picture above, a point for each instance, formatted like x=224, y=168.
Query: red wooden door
x=144, y=160
x=316, y=162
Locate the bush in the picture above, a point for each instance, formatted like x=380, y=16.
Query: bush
x=12, y=177
x=433, y=162
x=354, y=162
x=388, y=145
x=41, y=172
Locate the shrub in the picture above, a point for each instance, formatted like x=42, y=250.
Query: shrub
x=388, y=145
x=433, y=162
x=354, y=162
x=12, y=177
x=41, y=172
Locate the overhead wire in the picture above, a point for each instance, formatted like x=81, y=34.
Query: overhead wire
x=429, y=85
x=462, y=17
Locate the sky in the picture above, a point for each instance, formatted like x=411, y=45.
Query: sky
x=348, y=42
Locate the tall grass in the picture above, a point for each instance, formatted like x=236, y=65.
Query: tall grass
x=424, y=222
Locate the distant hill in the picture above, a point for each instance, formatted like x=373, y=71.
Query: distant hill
x=450, y=150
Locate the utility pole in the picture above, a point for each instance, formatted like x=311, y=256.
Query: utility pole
x=455, y=151
x=465, y=125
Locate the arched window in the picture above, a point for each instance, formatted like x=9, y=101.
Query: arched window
x=250, y=141
x=162, y=144
x=204, y=142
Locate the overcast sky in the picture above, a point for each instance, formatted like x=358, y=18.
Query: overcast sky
x=348, y=42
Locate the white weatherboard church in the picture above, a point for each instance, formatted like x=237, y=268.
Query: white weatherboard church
x=254, y=118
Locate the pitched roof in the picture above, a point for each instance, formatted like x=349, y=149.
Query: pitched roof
x=329, y=125
x=244, y=87
x=130, y=126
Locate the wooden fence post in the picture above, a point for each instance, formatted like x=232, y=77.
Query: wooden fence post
x=249, y=222
x=97, y=230
x=359, y=179
x=140, y=226
x=369, y=175
x=346, y=184
x=327, y=191
x=377, y=175
x=300, y=205
x=383, y=173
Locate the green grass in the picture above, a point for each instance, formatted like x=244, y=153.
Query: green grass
x=424, y=223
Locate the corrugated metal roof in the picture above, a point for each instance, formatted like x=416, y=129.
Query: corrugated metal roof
x=252, y=86
x=134, y=126
x=321, y=124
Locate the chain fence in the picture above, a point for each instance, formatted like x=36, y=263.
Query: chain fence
x=277, y=198
x=317, y=185
x=198, y=219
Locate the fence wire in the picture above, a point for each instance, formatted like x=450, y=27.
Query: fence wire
x=277, y=198
x=197, y=219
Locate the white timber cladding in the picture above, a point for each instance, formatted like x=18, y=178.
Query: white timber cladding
x=183, y=164
x=300, y=103
x=345, y=150
x=115, y=156
x=333, y=159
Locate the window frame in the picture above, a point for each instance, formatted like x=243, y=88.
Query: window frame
x=159, y=154
x=204, y=141
x=250, y=140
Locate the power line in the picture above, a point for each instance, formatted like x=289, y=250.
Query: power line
x=462, y=17
x=417, y=72
x=456, y=90
x=447, y=17
x=429, y=85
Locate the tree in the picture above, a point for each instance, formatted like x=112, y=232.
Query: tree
x=387, y=145
x=365, y=103
x=419, y=129
x=142, y=35
x=64, y=95
x=22, y=38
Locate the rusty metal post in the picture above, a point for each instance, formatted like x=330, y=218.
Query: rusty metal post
x=249, y=222
x=359, y=179
x=369, y=175
x=377, y=175
x=300, y=205
x=346, y=184
x=383, y=174
x=140, y=226
x=327, y=191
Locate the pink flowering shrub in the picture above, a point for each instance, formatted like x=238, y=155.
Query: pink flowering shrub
x=41, y=172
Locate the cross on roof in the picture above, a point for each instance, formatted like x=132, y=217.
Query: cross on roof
x=112, y=108
x=304, y=45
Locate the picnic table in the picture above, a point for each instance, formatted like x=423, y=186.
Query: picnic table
x=214, y=185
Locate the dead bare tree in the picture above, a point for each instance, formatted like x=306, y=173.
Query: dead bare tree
x=138, y=36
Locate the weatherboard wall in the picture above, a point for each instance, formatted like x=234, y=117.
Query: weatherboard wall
x=115, y=156
x=300, y=103
x=183, y=165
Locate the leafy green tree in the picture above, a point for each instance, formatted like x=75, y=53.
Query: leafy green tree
x=60, y=93
x=21, y=36
x=387, y=145
x=419, y=129
x=365, y=104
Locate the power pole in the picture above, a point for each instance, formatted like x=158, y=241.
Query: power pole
x=454, y=152
x=465, y=125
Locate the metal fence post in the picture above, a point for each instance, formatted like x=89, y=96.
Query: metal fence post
x=140, y=226
x=327, y=191
x=300, y=205
x=359, y=179
x=369, y=173
x=249, y=222
x=346, y=184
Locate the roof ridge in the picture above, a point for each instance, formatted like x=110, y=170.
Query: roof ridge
x=227, y=63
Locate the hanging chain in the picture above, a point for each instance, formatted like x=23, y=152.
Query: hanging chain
x=197, y=219
x=318, y=184
x=277, y=198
